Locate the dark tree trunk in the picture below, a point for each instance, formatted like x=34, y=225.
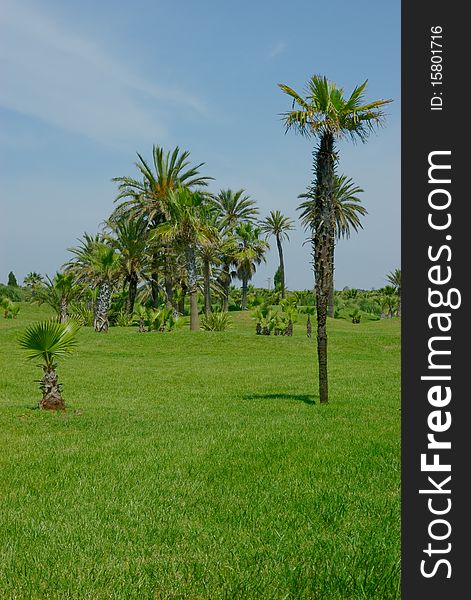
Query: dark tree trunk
x=398, y=312
x=331, y=305
x=207, y=287
x=226, y=283
x=101, y=323
x=245, y=282
x=282, y=265
x=132, y=291
x=51, y=389
x=192, y=286
x=323, y=251
x=309, y=326
x=181, y=301
x=168, y=282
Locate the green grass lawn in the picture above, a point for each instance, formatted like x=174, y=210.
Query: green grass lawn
x=201, y=465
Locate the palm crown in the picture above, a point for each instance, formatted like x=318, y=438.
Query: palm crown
x=49, y=340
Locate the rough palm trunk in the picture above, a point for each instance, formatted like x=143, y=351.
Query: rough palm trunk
x=226, y=282
x=63, y=310
x=133, y=280
x=168, y=283
x=51, y=389
x=192, y=286
x=102, y=306
x=323, y=251
x=207, y=286
x=282, y=265
x=245, y=282
x=331, y=304
x=309, y=326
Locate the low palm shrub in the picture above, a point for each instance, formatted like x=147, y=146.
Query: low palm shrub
x=48, y=341
x=216, y=321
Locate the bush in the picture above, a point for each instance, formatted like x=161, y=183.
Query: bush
x=216, y=321
x=16, y=294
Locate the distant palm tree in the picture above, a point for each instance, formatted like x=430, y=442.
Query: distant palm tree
x=347, y=212
x=97, y=263
x=187, y=226
x=58, y=293
x=148, y=197
x=278, y=225
x=130, y=239
x=232, y=208
x=48, y=341
x=250, y=253
x=34, y=281
x=326, y=114
x=394, y=278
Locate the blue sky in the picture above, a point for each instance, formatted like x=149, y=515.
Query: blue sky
x=85, y=85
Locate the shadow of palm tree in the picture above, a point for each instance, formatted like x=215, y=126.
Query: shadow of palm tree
x=299, y=397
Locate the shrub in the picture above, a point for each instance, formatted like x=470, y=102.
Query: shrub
x=16, y=294
x=216, y=321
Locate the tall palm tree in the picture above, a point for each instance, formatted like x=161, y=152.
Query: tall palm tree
x=232, y=208
x=250, y=253
x=347, y=212
x=327, y=115
x=130, y=239
x=278, y=225
x=48, y=341
x=394, y=278
x=187, y=226
x=149, y=195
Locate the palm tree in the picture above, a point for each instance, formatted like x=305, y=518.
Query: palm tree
x=394, y=278
x=250, y=253
x=187, y=227
x=48, y=341
x=327, y=115
x=131, y=241
x=232, y=208
x=58, y=293
x=278, y=225
x=149, y=196
x=347, y=212
x=34, y=281
x=97, y=263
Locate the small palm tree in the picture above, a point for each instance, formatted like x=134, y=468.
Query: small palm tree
x=58, y=293
x=326, y=114
x=34, y=281
x=250, y=253
x=278, y=225
x=48, y=341
x=394, y=278
x=347, y=212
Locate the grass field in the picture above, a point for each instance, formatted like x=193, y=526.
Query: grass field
x=202, y=466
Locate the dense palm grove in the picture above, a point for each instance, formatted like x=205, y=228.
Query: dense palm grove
x=172, y=248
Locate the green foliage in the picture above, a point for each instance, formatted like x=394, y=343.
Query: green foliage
x=16, y=294
x=82, y=313
x=355, y=315
x=12, y=280
x=50, y=340
x=216, y=321
x=10, y=309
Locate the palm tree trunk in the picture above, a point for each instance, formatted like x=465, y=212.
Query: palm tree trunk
x=323, y=243
x=132, y=291
x=192, y=286
x=207, y=287
x=101, y=323
x=52, y=397
x=331, y=306
x=226, y=285
x=168, y=282
x=282, y=265
x=63, y=310
x=244, y=293
x=398, y=312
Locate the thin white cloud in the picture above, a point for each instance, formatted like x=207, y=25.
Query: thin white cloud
x=277, y=49
x=73, y=83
